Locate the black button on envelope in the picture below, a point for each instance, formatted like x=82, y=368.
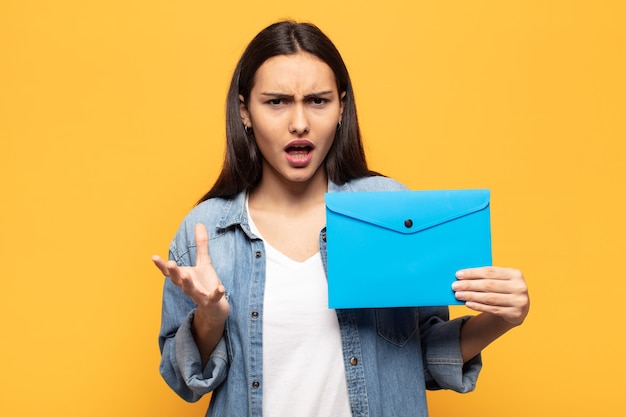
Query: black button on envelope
x=403, y=248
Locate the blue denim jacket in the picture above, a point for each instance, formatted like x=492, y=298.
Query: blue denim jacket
x=391, y=356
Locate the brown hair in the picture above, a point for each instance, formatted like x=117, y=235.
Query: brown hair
x=242, y=168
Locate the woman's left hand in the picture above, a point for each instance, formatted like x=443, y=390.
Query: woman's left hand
x=494, y=290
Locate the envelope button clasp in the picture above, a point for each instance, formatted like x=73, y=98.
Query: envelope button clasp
x=408, y=223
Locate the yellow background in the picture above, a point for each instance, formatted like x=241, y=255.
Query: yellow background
x=111, y=126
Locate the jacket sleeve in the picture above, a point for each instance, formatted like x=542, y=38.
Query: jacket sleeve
x=181, y=365
x=441, y=348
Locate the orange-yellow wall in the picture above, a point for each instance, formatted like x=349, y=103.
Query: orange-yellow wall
x=111, y=125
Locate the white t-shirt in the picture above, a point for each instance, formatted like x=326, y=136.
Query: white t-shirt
x=303, y=371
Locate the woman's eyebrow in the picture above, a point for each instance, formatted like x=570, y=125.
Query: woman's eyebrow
x=319, y=93
x=284, y=95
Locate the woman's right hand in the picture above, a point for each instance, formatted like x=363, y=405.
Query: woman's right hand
x=203, y=286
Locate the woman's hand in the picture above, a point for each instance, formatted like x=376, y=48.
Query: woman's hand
x=500, y=295
x=203, y=286
x=501, y=292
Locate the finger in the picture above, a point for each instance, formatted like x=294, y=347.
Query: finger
x=513, y=315
x=217, y=294
x=175, y=273
x=483, y=286
x=160, y=263
x=488, y=299
x=190, y=288
x=202, y=245
x=491, y=272
x=486, y=308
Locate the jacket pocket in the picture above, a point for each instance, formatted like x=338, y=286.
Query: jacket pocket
x=397, y=325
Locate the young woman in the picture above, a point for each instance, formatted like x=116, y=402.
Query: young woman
x=245, y=302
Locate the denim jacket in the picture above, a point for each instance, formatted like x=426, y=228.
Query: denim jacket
x=391, y=356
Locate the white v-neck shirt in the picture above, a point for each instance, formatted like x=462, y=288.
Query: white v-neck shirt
x=303, y=370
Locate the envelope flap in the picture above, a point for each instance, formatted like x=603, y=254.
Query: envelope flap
x=408, y=211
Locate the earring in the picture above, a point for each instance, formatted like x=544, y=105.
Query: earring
x=247, y=129
x=339, y=125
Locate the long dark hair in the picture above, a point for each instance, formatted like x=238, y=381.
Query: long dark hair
x=242, y=167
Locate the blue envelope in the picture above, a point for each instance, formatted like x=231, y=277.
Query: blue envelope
x=402, y=248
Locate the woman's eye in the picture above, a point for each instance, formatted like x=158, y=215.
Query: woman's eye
x=318, y=101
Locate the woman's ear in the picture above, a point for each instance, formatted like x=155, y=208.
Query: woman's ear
x=243, y=112
x=342, y=104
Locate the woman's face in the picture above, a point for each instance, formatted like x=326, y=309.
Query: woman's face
x=293, y=109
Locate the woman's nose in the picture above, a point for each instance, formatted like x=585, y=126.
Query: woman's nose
x=299, y=123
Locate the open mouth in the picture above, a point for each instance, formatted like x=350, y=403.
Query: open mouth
x=299, y=151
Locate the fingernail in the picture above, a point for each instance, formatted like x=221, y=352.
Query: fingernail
x=459, y=274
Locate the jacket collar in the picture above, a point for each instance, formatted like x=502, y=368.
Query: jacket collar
x=234, y=211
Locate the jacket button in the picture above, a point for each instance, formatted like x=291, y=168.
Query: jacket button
x=408, y=223
x=258, y=254
x=255, y=314
x=353, y=361
x=255, y=384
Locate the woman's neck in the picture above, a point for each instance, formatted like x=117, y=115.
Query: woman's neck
x=289, y=214
x=275, y=193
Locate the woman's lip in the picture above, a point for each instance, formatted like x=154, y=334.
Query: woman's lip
x=300, y=143
x=299, y=153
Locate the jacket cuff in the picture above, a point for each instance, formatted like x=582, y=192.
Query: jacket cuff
x=444, y=363
x=200, y=381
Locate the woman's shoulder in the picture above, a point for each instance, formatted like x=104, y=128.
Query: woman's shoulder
x=218, y=210
x=373, y=183
x=215, y=213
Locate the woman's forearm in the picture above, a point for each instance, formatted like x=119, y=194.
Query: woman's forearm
x=207, y=334
x=479, y=331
